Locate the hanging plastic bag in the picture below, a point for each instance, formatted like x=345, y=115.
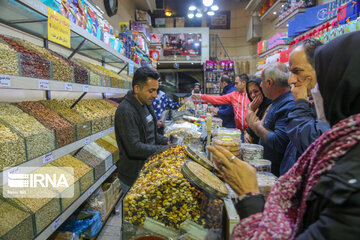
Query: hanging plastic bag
x=97, y=202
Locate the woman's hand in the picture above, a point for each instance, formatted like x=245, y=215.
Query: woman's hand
x=240, y=175
x=247, y=138
x=257, y=101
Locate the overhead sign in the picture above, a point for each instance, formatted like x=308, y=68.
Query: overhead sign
x=58, y=28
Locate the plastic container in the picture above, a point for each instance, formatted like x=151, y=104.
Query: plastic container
x=261, y=165
x=231, y=132
x=230, y=143
x=96, y=163
x=265, y=182
x=249, y=152
x=109, y=147
x=101, y=153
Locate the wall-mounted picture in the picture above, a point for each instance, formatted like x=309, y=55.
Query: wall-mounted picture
x=182, y=44
x=221, y=20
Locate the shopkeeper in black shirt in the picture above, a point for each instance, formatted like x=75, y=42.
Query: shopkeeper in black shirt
x=135, y=126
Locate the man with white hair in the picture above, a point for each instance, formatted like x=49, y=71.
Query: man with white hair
x=272, y=129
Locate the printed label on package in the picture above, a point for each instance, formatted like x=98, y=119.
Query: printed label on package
x=5, y=81
x=85, y=88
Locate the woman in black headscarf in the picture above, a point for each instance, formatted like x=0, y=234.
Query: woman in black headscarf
x=319, y=197
x=259, y=103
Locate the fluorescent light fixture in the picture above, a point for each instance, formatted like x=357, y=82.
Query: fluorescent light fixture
x=287, y=25
x=208, y=3
x=196, y=44
x=214, y=7
x=274, y=13
x=198, y=15
x=192, y=8
x=190, y=15
x=210, y=13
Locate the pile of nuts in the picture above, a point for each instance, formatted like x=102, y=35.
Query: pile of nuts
x=81, y=170
x=81, y=75
x=162, y=193
x=93, y=161
x=8, y=60
x=95, y=77
x=16, y=223
x=83, y=126
x=12, y=148
x=65, y=132
x=32, y=65
x=38, y=138
x=61, y=70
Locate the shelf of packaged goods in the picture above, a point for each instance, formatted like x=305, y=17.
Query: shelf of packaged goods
x=48, y=231
x=52, y=156
x=31, y=16
x=279, y=47
x=145, y=38
x=269, y=14
x=26, y=83
x=141, y=51
x=314, y=28
x=282, y=23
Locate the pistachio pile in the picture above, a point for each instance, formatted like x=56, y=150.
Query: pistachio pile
x=8, y=60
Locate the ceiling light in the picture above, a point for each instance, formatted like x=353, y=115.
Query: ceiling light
x=168, y=13
x=208, y=3
x=287, y=25
x=198, y=15
x=214, y=7
x=192, y=8
x=190, y=15
x=274, y=13
x=210, y=13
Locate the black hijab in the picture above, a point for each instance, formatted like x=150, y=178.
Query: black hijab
x=337, y=67
x=265, y=103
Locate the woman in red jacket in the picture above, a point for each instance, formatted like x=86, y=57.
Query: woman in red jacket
x=239, y=100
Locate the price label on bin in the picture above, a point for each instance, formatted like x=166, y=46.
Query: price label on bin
x=44, y=85
x=91, y=190
x=68, y=86
x=87, y=140
x=85, y=88
x=101, y=134
x=103, y=177
x=48, y=158
x=56, y=224
x=5, y=81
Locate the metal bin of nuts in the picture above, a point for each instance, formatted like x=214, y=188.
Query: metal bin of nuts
x=163, y=193
x=81, y=170
x=82, y=125
x=64, y=130
x=16, y=220
x=39, y=139
x=12, y=147
x=96, y=163
x=101, y=153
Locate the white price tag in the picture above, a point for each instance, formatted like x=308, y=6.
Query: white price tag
x=48, y=158
x=44, y=85
x=101, y=134
x=108, y=90
x=131, y=68
x=87, y=140
x=56, y=224
x=85, y=88
x=13, y=170
x=117, y=90
x=68, y=86
x=5, y=81
x=91, y=190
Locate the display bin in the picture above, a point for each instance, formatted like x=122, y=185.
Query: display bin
x=96, y=163
x=100, y=153
x=12, y=147
x=121, y=83
x=265, y=181
x=80, y=74
x=109, y=147
x=38, y=139
x=61, y=71
x=81, y=124
x=114, y=82
x=106, y=81
x=45, y=209
x=16, y=220
x=95, y=79
x=74, y=184
x=96, y=125
x=109, y=195
x=107, y=122
x=82, y=171
x=8, y=61
x=64, y=130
